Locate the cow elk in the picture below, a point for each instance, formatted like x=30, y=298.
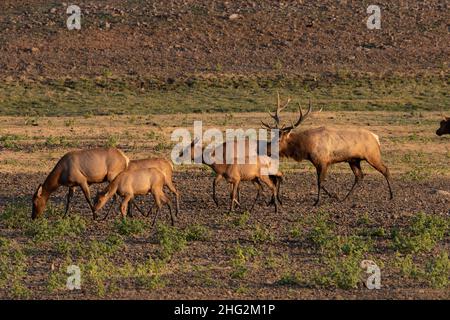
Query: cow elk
x=236, y=172
x=79, y=168
x=131, y=183
x=445, y=127
x=326, y=146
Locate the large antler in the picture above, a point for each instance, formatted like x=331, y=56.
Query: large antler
x=276, y=115
x=301, y=117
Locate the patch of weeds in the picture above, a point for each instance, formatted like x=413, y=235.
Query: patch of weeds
x=422, y=234
x=196, y=233
x=130, y=227
x=437, y=271
x=13, y=268
x=296, y=232
x=406, y=266
x=242, y=219
x=203, y=276
x=171, y=240
x=242, y=256
x=42, y=230
x=261, y=234
x=290, y=279
x=322, y=232
x=9, y=141
x=342, y=272
x=112, y=141
x=148, y=274
x=15, y=215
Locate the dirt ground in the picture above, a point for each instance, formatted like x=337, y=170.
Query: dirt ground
x=171, y=39
x=204, y=268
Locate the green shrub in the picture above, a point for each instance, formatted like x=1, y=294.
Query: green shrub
x=129, y=227
x=170, y=239
x=438, y=270
x=261, y=234
x=422, y=235
x=196, y=233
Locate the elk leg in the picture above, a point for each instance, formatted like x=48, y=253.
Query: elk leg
x=259, y=186
x=215, y=181
x=69, y=197
x=110, y=207
x=124, y=205
x=233, y=195
x=321, y=175
x=167, y=201
x=139, y=209
x=278, y=184
x=380, y=167
x=172, y=189
x=268, y=181
x=87, y=194
x=355, y=165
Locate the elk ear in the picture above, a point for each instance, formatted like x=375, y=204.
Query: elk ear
x=447, y=118
x=39, y=191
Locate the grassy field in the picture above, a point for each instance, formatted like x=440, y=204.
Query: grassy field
x=303, y=252
x=108, y=94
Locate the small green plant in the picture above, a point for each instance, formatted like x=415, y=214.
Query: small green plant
x=112, y=141
x=43, y=229
x=171, y=240
x=241, y=219
x=341, y=272
x=261, y=234
x=241, y=258
x=407, y=266
x=196, y=233
x=15, y=215
x=422, y=234
x=290, y=279
x=438, y=270
x=148, y=274
x=130, y=227
x=322, y=232
x=13, y=266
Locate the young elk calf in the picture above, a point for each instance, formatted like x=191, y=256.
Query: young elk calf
x=79, y=168
x=445, y=127
x=129, y=184
x=325, y=146
x=165, y=167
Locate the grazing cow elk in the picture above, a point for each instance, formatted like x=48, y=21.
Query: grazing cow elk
x=445, y=127
x=165, y=167
x=128, y=184
x=80, y=168
x=235, y=172
x=325, y=146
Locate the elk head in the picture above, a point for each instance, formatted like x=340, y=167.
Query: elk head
x=285, y=131
x=445, y=127
x=39, y=201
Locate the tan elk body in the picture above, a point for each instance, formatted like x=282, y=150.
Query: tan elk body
x=131, y=183
x=80, y=168
x=165, y=166
x=243, y=170
x=326, y=146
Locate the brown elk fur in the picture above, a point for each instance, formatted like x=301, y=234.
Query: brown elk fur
x=79, y=168
x=444, y=127
x=131, y=183
x=165, y=166
x=326, y=146
x=235, y=172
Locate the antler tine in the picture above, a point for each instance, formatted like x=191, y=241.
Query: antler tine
x=266, y=125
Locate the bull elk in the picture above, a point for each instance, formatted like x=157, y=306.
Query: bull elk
x=131, y=183
x=444, y=127
x=165, y=167
x=235, y=173
x=80, y=168
x=326, y=146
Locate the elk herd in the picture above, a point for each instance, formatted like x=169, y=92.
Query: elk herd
x=323, y=147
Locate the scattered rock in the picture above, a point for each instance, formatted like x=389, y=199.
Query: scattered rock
x=234, y=16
